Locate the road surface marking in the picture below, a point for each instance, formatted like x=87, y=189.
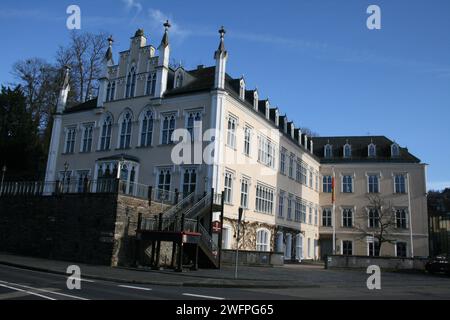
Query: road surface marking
x=25, y=291
x=43, y=290
x=200, y=296
x=137, y=288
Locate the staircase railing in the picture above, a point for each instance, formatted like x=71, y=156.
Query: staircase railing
x=179, y=206
x=208, y=241
x=196, y=209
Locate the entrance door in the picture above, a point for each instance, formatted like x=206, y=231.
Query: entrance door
x=326, y=248
x=288, y=247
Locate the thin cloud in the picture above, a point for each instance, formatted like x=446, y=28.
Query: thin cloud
x=438, y=185
x=133, y=5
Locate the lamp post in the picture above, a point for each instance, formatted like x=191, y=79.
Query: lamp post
x=237, y=242
x=3, y=176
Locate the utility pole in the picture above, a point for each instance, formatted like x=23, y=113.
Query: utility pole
x=237, y=242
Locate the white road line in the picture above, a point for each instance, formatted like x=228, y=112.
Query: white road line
x=200, y=296
x=44, y=290
x=28, y=292
x=137, y=288
x=43, y=272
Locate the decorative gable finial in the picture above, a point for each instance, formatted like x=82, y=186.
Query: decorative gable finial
x=165, y=39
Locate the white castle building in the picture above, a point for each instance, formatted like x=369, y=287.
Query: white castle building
x=265, y=164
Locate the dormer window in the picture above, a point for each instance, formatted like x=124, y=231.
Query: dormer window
x=395, y=151
x=328, y=151
x=242, y=89
x=255, y=100
x=347, y=151
x=267, y=110
x=372, y=151
x=179, y=80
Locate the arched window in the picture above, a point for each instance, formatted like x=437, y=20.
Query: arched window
x=189, y=181
x=125, y=131
x=168, y=127
x=193, y=125
x=105, y=138
x=131, y=83
x=164, y=181
x=372, y=150
x=147, y=129
x=347, y=151
x=151, y=84
x=328, y=151
x=262, y=240
x=395, y=150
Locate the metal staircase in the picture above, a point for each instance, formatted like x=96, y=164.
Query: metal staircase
x=186, y=217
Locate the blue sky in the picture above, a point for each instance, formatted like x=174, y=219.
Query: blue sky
x=315, y=60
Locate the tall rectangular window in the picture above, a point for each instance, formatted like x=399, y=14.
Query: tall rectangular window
x=281, y=204
x=289, y=208
x=147, y=129
x=374, y=218
x=400, y=249
x=264, y=199
x=303, y=179
x=228, y=187
x=326, y=217
x=347, y=218
x=291, y=166
x=400, y=183
x=70, y=139
x=266, y=151
x=298, y=210
x=347, y=184
x=283, y=161
x=401, y=218
x=88, y=130
x=247, y=140
x=189, y=181
x=310, y=215
x=244, y=193
x=231, y=132
x=373, y=182
x=151, y=84
x=311, y=185
x=164, y=181
x=316, y=216
x=373, y=248
x=327, y=184
x=347, y=247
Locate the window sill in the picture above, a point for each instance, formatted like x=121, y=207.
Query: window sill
x=144, y=147
x=103, y=150
x=85, y=152
x=119, y=149
x=67, y=153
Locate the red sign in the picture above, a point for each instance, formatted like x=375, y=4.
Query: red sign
x=216, y=227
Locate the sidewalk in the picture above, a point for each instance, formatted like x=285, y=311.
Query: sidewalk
x=249, y=277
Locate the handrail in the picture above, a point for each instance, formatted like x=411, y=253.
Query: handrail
x=203, y=202
x=208, y=241
x=180, y=205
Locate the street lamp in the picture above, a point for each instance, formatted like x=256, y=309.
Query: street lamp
x=3, y=176
x=237, y=242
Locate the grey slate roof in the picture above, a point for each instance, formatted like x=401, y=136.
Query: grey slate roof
x=359, y=146
x=88, y=105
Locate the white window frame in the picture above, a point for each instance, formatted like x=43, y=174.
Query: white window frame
x=70, y=139
x=228, y=188
x=245, y=189
x=87, y=139
x=352, y=178
x=128, y=135
x=263, y=240
x=169, y=130
x=232, y=123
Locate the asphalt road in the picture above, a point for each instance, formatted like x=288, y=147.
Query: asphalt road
x=21, y=284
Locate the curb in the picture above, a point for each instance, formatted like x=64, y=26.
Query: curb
x=164, y=283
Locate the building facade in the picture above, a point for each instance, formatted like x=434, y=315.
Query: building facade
x=197, y=130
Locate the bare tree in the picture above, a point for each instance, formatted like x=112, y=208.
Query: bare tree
x=309, y=132
x=84, y=55
x=382, y=221
x=39, y=82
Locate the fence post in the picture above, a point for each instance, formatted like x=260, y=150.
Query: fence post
x=177, y=194
x=149, y=195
